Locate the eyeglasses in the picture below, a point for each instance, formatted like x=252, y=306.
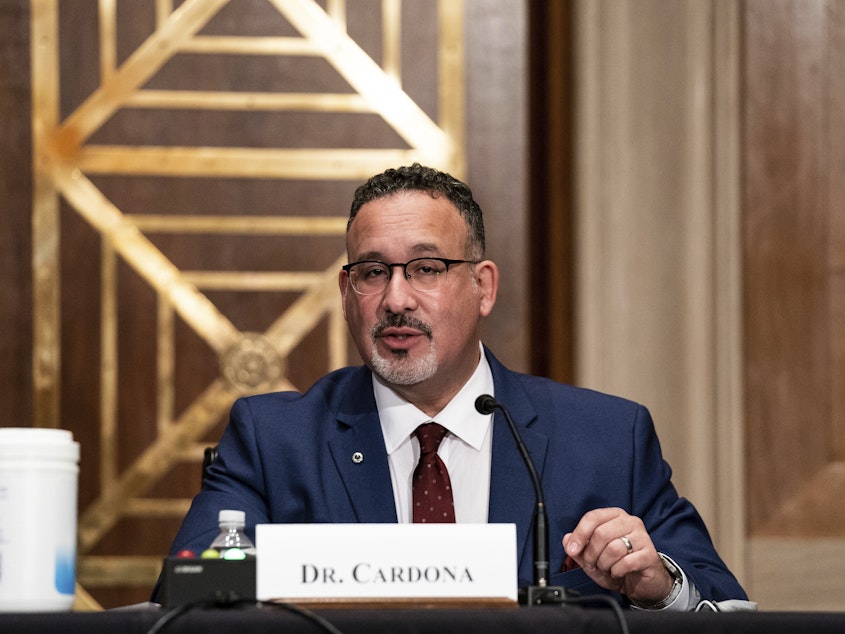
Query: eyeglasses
x=369, y=277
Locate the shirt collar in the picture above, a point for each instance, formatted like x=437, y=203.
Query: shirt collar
x=399, y=418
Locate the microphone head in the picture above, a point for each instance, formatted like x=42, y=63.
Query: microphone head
x=485, y=404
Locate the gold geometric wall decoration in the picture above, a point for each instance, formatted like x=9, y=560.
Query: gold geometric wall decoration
x=68, y=160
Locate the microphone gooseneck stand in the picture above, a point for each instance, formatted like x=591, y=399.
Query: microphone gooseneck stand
x=540, y=593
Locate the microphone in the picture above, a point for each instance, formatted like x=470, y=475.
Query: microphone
x=541, y=592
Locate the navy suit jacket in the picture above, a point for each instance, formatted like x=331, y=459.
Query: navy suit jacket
x=287, y=457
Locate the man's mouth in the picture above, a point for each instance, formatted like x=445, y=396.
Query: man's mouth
x=399, y=333
x=398, y=330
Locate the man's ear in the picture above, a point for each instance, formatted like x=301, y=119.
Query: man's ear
x=343, y=284
x=487, y=278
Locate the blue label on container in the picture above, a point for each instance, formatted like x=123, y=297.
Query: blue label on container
x=65, y=572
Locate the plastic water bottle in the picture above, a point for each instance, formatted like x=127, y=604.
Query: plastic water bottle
x=232, y=542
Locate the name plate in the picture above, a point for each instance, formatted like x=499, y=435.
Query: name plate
x=325, y=562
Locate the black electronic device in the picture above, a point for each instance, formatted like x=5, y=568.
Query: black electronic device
x=187, y=580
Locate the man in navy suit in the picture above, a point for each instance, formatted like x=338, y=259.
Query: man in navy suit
x=414, y=293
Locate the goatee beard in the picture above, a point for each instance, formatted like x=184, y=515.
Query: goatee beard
x=399, y=368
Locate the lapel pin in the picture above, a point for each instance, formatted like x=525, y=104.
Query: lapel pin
x=357, y=457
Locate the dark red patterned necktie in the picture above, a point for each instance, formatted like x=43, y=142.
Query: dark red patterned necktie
x=431, y=486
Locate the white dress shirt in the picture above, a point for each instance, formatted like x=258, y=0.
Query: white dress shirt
x=466, y=450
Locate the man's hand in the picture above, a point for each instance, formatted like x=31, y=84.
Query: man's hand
x=616, y=552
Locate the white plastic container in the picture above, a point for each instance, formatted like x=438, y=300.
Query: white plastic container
x=39, y=471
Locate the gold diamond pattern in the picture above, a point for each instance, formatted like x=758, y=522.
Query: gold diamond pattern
x=65, y=162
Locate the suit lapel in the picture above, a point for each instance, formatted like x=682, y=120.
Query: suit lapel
x=512, y=495
x=360, y=457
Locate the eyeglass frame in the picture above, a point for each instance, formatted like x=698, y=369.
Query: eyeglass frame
x=447, y=262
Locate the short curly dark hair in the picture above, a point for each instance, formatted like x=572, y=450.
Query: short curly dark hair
x=418, y=177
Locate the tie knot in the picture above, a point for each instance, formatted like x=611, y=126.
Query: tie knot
x=430, y=435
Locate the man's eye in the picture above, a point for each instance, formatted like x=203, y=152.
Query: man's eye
x=428, y=268
x=374, y=271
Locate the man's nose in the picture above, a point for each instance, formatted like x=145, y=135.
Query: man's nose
x=399, y=295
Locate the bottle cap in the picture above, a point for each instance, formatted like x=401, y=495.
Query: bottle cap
x=231, y=517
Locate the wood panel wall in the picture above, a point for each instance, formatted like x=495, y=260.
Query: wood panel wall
x=794, y=266
x=793, y=78
x=735, y=340
x=15, y=206
x=552, y=189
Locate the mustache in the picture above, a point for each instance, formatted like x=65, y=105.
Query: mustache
x=392, y=320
